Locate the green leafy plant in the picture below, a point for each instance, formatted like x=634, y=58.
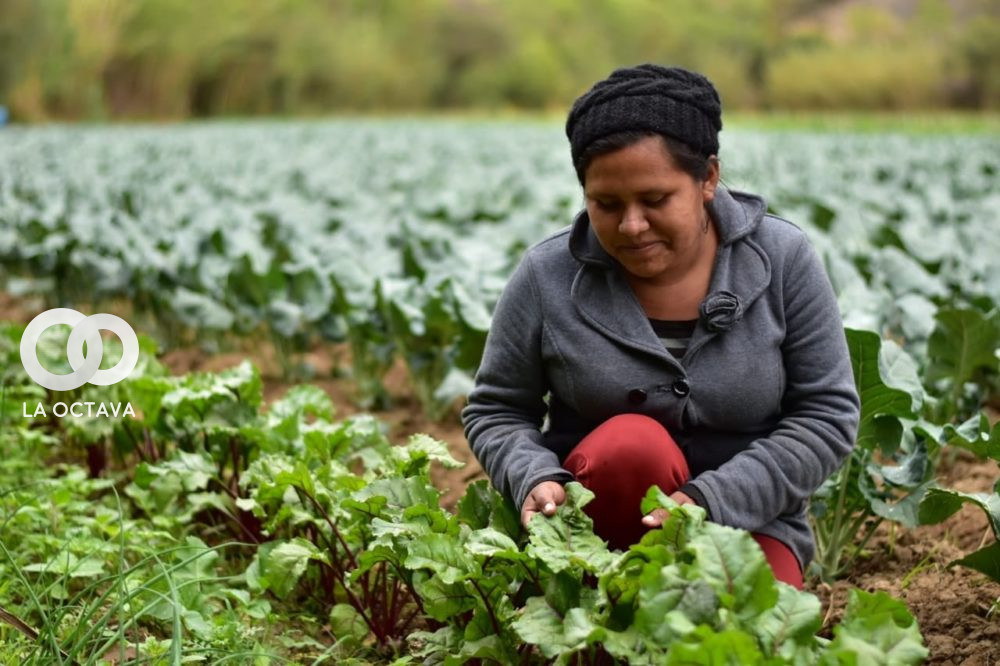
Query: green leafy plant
x=688, y=591
x=886, y=474
x=372, y=347
x=84, y=579
x=339, y=529
x=349, y=531
x=440, y=332
x=963, y=359
x=975, y=435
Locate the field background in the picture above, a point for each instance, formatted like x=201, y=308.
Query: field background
x=117, y=59
x=337, y=191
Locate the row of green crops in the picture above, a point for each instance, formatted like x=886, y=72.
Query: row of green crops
x=213, y=230
x=222, y=532
x=397, y=237
x=217, y=518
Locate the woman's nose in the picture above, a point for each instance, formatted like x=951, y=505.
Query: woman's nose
x=633, y=221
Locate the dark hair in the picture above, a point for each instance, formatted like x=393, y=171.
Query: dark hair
x=685, y=157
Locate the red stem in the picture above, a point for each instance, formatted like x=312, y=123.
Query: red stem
x=154, y=450
x=409, y=586
x=356, y=603
x=135, y=442
x=366, y=593
x=382, y=590
x=394, y=606
x=333, y=526
x=489, y=608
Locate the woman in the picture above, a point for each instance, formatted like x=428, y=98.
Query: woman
x=676, y=334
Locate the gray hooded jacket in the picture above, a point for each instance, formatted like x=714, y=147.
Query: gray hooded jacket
x=763, y=403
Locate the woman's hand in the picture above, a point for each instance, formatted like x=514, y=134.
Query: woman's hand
x=656, y=517
x=543, y=498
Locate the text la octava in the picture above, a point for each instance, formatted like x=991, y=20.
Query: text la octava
x=81, y=409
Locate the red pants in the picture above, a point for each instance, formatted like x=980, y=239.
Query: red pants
x=620, y=460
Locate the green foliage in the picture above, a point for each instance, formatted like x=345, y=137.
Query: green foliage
x=886, y=474
x=977, y=436
x=962, y=351
x=84, y=571
x=877, y=629
x=86, y=59
x=348, y=530
x=691, y=592
x=890, y=473
x=440, y=330
x=859, y=76
x=244, y=244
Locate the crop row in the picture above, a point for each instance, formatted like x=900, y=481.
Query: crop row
x=398, y=237
x=221, y=528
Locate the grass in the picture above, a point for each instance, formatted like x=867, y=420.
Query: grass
x=907, y=122
x=875, y=122
x=926, y=563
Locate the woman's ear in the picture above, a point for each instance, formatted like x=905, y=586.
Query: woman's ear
x=711, y=180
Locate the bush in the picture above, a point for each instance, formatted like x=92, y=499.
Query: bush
x=857, y=77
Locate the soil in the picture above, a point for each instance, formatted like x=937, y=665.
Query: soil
x=958, y=609
x=16, y=309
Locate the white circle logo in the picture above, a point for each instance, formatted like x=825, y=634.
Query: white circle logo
x=85, y=329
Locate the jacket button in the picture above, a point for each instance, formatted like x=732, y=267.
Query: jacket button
x=637, y=396
x=681, y=387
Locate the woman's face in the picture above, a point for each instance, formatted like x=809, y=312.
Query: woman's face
x=646, y=212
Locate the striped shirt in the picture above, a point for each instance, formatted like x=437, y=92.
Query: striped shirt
x=675, y=335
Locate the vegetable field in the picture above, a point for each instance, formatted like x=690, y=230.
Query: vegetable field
x=312, y=301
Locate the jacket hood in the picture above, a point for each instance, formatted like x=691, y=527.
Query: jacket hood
x=736, y=214
x=740, y=274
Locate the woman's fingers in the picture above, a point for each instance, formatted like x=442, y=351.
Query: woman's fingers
x=654, y=518
x=543, y=498
x=547, y=496
x=681, y=498
x=526, y=515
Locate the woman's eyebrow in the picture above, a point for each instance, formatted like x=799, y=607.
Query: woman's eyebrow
x=598, y=194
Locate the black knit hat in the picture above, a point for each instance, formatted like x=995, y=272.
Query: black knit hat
x=679, y=103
